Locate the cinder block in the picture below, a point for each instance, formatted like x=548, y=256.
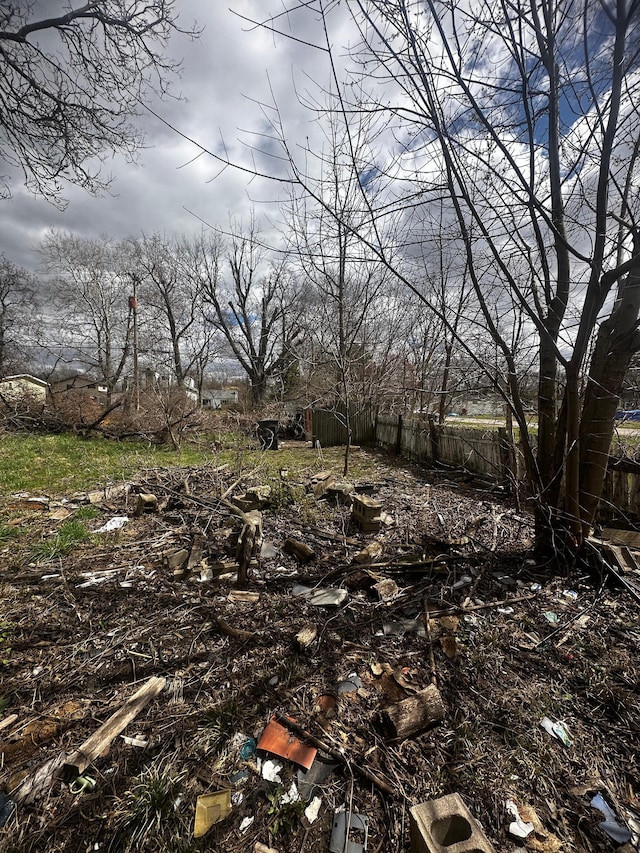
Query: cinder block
x=366, y=513
x=446, y=826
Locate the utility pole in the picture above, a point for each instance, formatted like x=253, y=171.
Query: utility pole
x=133, y=305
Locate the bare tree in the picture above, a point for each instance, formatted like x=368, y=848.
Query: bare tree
x=251, y=302
x=18, y=290
x=72, y=76
x=91, y=303
x=171, y=296
x=525, y=117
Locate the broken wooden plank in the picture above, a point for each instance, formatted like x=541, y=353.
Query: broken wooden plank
x=99, y=742
x=630, y=538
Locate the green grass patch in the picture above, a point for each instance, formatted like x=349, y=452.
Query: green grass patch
x=58, y=465
x=71, y=534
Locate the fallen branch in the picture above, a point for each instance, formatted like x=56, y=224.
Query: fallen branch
x=100, y=741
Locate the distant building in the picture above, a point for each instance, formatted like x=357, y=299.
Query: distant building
x=82, y=383
x=216, y=399
x=24, y=385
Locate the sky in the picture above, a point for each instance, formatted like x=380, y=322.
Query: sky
x=226, y=73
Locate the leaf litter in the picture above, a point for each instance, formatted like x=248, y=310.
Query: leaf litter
x=164, y=603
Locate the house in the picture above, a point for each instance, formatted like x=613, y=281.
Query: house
x=216, y=399
x=82, y=383
x=24, y=385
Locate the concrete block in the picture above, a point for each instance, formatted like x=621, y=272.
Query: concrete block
x=446, y=826
x=365, y=511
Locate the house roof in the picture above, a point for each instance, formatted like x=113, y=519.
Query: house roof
x=25, y=377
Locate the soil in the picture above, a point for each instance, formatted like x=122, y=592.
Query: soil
x=508, y=642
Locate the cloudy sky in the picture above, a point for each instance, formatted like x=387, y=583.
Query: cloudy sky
x=227, y=73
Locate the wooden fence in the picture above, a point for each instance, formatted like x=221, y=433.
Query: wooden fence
x=490, y=453
x=329, y=427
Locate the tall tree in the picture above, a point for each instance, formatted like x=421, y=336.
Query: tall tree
x=91, y=299
x=17, y=296
x=72, y=76
x=251, y=302
x=171, y=296
x=525, y=116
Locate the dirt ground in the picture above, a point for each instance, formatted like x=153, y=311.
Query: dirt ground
x=538, y=675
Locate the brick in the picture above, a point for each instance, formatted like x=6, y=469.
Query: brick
x=446, y=826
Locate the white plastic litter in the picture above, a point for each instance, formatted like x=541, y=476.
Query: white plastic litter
x=312, y=810
x=114, y=523
x=610, y=825
x=517, y=827
x=271, y=771
x=246, y=823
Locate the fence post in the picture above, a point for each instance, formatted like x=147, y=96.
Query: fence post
x=399, y=436
x=435, y=440
x=508, y=461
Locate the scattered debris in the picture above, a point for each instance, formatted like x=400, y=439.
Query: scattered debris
x=620, y=834
x=365, y=512
x=301, y=551
x=322, y=597
x=279, y=740
x=443, y=823
x=115, y=523
x=210, y=809
x=100, y=741
x=556, y=730
x=347, y=827
x=414, y=714
x=518, y=827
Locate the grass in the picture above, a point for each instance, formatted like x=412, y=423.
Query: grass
x=58, y=465
x=71, y=533
x=150, y=808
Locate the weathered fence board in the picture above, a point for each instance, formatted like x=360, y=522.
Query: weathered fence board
x=487, y=452
x=329, y=427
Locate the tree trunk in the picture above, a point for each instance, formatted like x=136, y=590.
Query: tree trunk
x=617, y=341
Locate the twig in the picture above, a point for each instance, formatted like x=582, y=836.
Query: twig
x=453, y=608
x=432, y=660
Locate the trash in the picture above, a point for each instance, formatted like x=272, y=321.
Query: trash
x=556, y=730
x=465, y=580
x=270, y=770
x=135, y=741
x=268, y=551
x=146, y=503
x=387, y=589
x=571, y=594
x=308, y=780
x=517, y=827
x=370, y=554
x=620, y=834
x=7, y=808
x=305, y=637
x=551, y=617
x=300, y=550
x=322, y=597
x=82, y=785
x=292, y=795
x=350, y=833
x=210, y=809
x=243, y=596
x=365, y=512
x=350, y=684
x=312, y=810
x=262, y=848
x=326, y=705
x=506, y=611
x=504, y=580
x=115, y=523
x=278, y=740
x=405, y=626
x=246, y=823
x=240, y=777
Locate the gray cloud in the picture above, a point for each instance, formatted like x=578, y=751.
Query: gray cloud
x=226, y=74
